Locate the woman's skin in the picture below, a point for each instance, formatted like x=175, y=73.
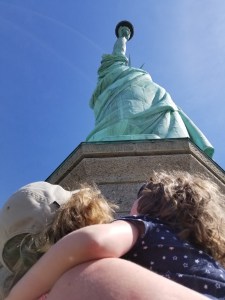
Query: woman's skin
x=115, y=279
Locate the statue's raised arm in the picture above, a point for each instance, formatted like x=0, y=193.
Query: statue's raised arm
x=124, y=32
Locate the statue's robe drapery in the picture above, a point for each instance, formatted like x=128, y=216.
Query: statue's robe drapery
x=128, y=105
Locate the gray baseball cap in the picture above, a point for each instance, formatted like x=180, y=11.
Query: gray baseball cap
x=29, y=210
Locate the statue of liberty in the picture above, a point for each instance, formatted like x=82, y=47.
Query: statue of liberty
x=128, y=105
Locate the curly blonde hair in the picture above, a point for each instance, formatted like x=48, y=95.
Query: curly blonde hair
x=86, y=207
x=191, y=204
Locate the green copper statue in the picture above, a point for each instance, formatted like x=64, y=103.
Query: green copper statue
x=128, y=105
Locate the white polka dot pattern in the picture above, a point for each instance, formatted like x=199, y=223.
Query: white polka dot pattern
x=161, y=251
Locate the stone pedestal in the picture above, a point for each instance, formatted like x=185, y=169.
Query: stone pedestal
x=120, y=167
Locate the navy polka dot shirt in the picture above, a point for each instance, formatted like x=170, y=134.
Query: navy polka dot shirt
x=160, y=250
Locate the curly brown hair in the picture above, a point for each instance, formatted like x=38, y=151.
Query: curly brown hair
x=86, y=207
x=193, y=205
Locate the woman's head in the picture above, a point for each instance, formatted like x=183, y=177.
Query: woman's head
x=41, y=207
x=191, y=204
x=29, y=210
x=66, y=212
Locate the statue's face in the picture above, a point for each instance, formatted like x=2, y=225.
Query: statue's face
x=124, y=32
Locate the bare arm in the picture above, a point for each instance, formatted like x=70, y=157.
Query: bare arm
x=88, y=243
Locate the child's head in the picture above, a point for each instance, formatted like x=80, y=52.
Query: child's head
x=191, y=204
x=85, y=207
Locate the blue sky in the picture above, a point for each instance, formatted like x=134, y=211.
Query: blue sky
x=49, y=55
